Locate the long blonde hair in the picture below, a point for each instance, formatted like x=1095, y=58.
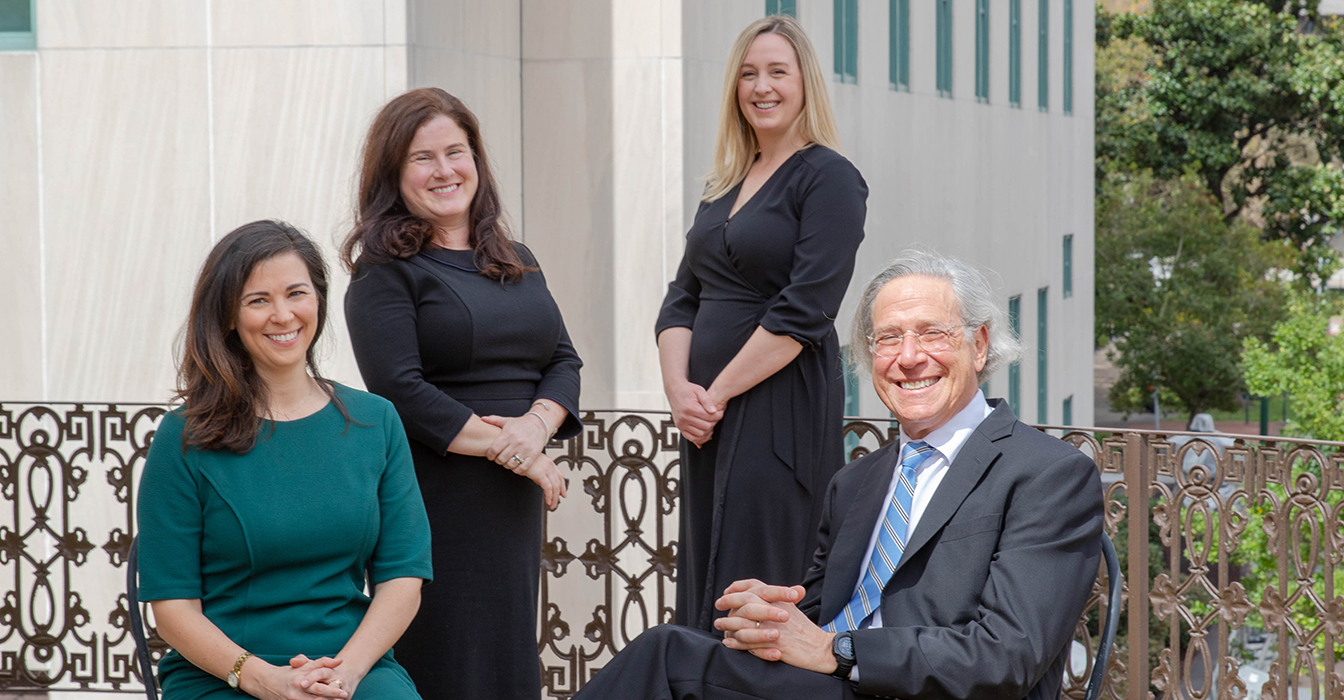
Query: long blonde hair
x=736, y=147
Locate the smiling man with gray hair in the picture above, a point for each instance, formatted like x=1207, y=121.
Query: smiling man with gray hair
x=954, y=563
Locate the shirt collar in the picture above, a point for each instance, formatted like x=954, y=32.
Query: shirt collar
x=949, y=437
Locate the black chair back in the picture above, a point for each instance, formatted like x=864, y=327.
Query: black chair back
x=138, y=623
x=1108, y=628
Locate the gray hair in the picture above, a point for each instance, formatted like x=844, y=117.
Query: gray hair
x=976, y=302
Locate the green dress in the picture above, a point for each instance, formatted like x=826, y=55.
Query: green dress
x=276, y=542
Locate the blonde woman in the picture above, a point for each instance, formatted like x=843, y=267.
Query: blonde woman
x=746, y=337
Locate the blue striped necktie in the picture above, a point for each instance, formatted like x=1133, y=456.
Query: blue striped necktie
x=890, y=543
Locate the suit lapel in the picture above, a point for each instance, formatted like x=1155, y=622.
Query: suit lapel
x=851, y=542
x=974, y=458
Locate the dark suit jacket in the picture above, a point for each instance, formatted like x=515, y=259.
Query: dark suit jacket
x=986, y=598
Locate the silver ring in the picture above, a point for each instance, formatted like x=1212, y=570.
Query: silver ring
x=758, y=624
x=340, y=685
x=517, y=459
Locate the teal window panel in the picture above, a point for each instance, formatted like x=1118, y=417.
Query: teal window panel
x=1015, y=53
x=900, y=45
x=1067, y=286
x=1015, y=367
x=846, y=41
x=1067, y=79
x=16, y=25
x=984, y=389
x=1067, y=418
x=1042, y=357
x=982, y=51
x=943, y=48
x=1043, y=55
x=781, y=7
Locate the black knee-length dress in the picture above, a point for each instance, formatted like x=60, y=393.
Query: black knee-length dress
x=442, y=342
x=751, y=497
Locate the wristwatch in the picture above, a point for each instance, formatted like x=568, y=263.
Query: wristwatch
x=843, y=648
x=236, y=675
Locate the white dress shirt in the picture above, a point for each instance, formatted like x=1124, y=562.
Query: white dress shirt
x=947, y=441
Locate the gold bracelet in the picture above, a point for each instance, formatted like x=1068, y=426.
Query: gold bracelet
x=236, y=675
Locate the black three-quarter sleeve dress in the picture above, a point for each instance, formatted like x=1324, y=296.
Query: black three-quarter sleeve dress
x=442, y=342
x=752, y=496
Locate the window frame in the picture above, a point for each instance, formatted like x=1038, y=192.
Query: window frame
x=1067, y=283
x=943, y=48
x=846, y=41
x=1043, y=55
x=1043, y=355
x=781, y=7
x=1015, y=53
x=898, y=45
x=22, y=41
x=982, y=51
x=1066, y=80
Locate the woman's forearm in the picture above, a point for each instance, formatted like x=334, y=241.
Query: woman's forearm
x=764, y=354
x=185, y=627
x=475, y=438
x=394, y=605
x=674, y=354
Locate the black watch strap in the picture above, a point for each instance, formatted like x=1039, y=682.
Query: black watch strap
x=842, y=646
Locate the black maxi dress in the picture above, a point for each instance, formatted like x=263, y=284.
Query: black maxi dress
x=752, y=497
x=442, y=342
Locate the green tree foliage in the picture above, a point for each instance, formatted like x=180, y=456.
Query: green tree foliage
x=1245, y=95
x=1304, y=360
x=1179, y=288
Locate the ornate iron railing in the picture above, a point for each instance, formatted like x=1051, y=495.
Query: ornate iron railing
x=1242, y=570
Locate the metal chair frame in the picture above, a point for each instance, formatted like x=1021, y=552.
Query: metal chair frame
x=1112, y=621
x=138, y=622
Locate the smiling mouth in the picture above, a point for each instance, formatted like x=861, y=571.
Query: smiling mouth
x=284, y=337
x=919, y=384
x=444, y=190
x=766, y=105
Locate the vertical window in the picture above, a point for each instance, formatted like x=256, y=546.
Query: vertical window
x=1043, y=55
x=1068, y=411
x=781, y=7
x=16, y=25
x=1067, y=80
x=982, y=50
x=1015, y=53
x=944, y=48
x=1068, y=266
x=900, y=45
x=1015, y=367
x=847, y=41
x=1042, y=359
x=984, y=389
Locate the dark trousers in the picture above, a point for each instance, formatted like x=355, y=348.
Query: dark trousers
x=678, y=663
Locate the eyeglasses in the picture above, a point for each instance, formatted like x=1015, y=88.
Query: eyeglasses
x=930, y=341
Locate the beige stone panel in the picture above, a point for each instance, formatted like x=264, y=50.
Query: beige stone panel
x=126, y=193
x=435, y=23
x=124, y=23
x=297, y=23
x=289, y=127
x=492, y=27
x=567, y=175
x=702, y=94
x=562, y=30
x=642, y=194
x=21, y=375
x=394, y=22
x=396, y=71
x=637, y=28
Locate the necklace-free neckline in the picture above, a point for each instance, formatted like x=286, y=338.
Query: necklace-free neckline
x=449, y=264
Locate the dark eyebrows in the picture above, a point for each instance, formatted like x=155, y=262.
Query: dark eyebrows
x=264, y=293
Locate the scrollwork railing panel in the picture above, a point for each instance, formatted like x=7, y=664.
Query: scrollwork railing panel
x=1241, y=574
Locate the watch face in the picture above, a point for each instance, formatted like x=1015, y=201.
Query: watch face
x=845, y=646
x=233, y=680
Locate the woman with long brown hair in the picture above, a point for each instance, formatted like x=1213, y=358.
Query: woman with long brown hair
x=272, y=498
x=746, y=337
x=451, y=320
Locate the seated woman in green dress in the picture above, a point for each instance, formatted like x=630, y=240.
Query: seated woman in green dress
x=272, y=498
